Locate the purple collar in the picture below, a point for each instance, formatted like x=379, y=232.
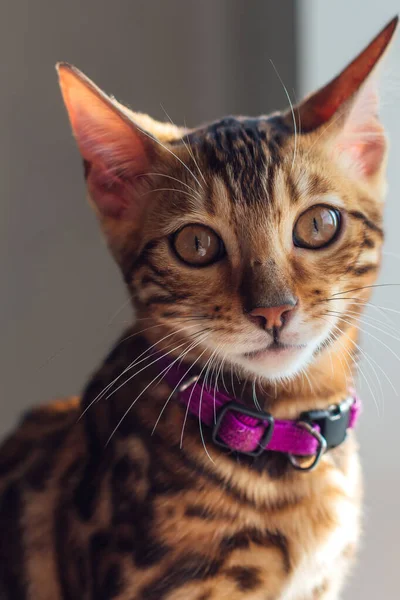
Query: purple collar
x=237, y=427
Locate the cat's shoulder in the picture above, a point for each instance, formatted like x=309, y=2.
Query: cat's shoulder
x=42, y=430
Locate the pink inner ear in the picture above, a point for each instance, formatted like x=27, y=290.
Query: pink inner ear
x=108, y=192
x=362, y=141
x=116, y=156
x=367, y=154
x=112, y=146
x=117, y=195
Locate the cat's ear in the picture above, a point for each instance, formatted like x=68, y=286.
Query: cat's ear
x=345, y=111
x=116, y=151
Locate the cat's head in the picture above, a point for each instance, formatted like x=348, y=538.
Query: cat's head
x=250, y=238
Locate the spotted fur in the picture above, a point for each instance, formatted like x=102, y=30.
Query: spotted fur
x=115, y=494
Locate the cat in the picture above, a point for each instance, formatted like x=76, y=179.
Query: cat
x=249, y=247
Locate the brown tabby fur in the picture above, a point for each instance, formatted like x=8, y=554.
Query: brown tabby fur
x=138, y=517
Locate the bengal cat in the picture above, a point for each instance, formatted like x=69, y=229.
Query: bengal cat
x=249, y=247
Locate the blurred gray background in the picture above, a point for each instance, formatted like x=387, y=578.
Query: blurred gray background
x=62, y=301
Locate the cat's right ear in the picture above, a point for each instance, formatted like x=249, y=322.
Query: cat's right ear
x=117, y=153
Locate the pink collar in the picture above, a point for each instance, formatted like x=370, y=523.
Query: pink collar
x=237, y=427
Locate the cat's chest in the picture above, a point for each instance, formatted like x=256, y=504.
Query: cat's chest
x=325, y=557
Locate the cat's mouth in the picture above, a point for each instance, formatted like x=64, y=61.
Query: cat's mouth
x=276, y=348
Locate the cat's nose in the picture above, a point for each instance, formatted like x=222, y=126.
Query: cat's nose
x=273, y=318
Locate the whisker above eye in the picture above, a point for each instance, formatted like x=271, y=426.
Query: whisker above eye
x=170, y=190
x=187, y=145
x=171, y=152
x=173, y=178
x=292, y=111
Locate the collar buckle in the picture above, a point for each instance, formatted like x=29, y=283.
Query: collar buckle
x=333, y=423
x=264, y=418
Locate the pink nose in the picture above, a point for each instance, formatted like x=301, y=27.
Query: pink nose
x=273, y=316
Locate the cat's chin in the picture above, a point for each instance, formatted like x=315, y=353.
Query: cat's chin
x=278, y=361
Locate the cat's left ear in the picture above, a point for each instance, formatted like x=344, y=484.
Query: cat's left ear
x=117, y=152
x=344, y=113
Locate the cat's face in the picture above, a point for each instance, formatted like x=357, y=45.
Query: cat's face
x=253, y=226
x=242, y=238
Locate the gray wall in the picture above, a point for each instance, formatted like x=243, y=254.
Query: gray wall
x=331, y=33
x=60, y=290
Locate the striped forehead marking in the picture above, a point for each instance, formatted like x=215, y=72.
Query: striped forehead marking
x=243, y=152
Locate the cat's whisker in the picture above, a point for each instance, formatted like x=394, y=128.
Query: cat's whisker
x=139, y=396
x=120, y=309
x=111, y=383
x=366, y=287
x=360, y=301
x=157, y=141
x=298, y=111
x=354, y=323
x=216, y=388
x=189, y=187
x=140, y=371
x=169, y=190
x=375, y=307
x=292, y=111
x=361, y=371
x=357, y=367
x=180, y=358
x=200, y=405
x=365, y=319
x=189, y=400
x=134, y=363
x=189, y=148
x=187, y=145
x=255, y=399
x=222, y=375
x=383, y=308
x=349, y=373
x=232, y=382
x=369, y=358
x=391, y=254
x=383, y=344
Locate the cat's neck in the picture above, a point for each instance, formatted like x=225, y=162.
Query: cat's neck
x=326, y=380
x=129, y=389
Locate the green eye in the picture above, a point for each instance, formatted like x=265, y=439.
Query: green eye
x=198, y=245
x=317, y=227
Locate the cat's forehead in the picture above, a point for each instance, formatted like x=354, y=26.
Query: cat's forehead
x=244, y=152
x=259, y=161
x=241, y=128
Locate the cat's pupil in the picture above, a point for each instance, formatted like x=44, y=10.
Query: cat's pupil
x=200, y=248
x=315, y=225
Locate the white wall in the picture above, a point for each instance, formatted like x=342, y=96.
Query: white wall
x=330, y=34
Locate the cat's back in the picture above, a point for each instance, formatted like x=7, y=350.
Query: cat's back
x=34, y=459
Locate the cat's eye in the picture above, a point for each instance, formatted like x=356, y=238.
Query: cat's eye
x=198, y=245
x=317, y=227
